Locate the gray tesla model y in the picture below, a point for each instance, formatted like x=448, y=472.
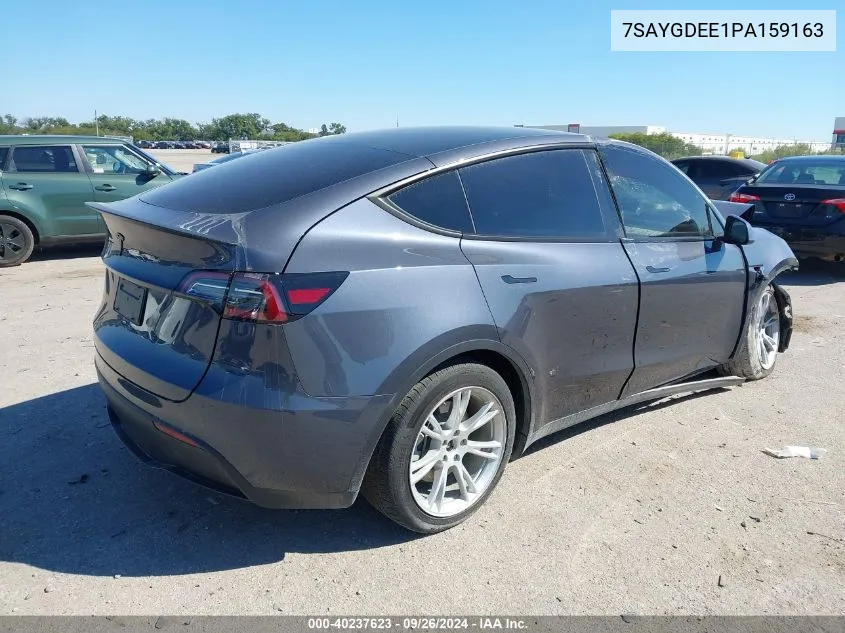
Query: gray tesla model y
x=399, y=313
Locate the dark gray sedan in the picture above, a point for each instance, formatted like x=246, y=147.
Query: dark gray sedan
x=399, y=313
x=719, y=176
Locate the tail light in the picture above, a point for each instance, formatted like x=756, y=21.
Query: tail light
x=743, y=198
x=207, y=286
x=261, y=297
x=839, y=203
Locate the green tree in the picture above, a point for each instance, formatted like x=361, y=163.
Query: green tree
x=782, y=151
x=664, y=144
x=284, y=132
x=334, y=128
x=236, y=126
x=45, y=123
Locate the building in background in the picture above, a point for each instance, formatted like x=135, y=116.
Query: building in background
x=717, y=144
x=603, y=130
x=838, y=141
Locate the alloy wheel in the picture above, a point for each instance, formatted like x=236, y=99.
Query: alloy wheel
x=458, y=451
x=768, y=334
x=12, y=241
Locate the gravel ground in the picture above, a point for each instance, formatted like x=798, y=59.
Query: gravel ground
x=664, y=509
x=182, y=159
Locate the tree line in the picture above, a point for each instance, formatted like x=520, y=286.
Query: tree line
x=671, y=147
x=232, y=126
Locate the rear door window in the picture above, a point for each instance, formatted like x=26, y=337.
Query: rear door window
x=438, y=201
x=4, y=152
x=548, y=194
x=43, y=159
x=684, y=166
x=716, y=169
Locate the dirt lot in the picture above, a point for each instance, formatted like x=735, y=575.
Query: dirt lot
x=182, y=159
x=642, y=511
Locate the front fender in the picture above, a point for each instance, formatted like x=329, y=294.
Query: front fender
x=767, y=256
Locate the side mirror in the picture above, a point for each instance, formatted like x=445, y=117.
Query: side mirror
x=152, y=170
x=737, y=231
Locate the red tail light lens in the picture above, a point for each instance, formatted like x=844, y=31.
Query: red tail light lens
x=255, y=297
x=743, y=198
x=839, y=203
x=305, y=291
x=261, y=297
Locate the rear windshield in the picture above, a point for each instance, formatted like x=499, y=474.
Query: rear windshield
x=272, y=176
x=804, y=172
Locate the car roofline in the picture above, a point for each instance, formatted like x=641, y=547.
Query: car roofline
x=46, y=139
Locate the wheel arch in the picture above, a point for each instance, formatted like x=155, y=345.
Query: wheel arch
x=492, y=353
x=36, y=233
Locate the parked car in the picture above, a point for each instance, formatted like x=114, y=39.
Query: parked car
x=222, y=159
x=45, y=182
x=145, y=144
x=801, y=199
x=220, y=147
x=400, y=312
x=719, y=176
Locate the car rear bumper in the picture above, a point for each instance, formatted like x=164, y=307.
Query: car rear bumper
x=806, y=242
x=311, y=455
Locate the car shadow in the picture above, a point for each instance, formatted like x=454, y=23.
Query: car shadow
x=75, y=500
x=814, y=272
x=66, y=252
x=615, y=416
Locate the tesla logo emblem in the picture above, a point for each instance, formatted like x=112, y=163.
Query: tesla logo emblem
x=789, y=196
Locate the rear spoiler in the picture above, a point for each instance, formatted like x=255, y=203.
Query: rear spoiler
x=742, y=210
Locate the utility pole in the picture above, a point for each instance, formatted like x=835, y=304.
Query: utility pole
x=96, y=123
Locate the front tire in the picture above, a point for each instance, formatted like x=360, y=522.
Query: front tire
x=444, y=449
x=758, y=350
x=16, y=241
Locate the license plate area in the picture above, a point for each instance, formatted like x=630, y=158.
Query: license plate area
x=786, y=209
x=129, y=301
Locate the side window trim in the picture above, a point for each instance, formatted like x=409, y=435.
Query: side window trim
x=385, y=203
x=613, y=225
x=383, y=199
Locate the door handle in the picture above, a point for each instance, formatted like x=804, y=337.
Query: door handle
x=105, y=188
x=657, y=269
x=508, y=279
x=21, y=186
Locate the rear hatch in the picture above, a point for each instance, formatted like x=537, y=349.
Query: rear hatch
x=149, y=328
x=158, y=323
x=795, y=205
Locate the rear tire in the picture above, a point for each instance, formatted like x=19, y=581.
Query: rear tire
x=16, y=241
x=444, y=449
x=757, y=354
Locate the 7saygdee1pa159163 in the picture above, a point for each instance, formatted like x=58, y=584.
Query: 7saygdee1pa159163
x=399, y=313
